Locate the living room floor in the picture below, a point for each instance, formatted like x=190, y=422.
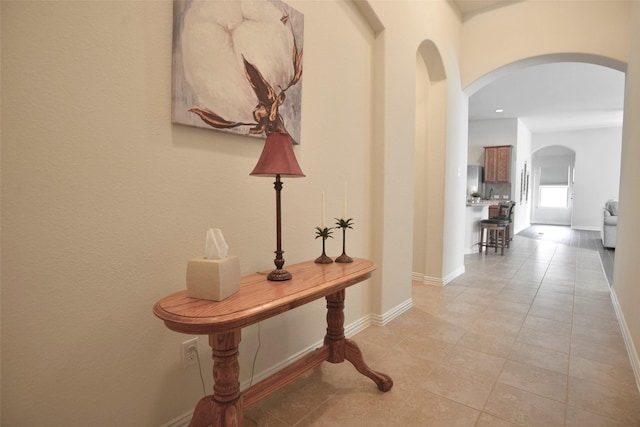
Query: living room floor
x=579, y=238
x=525, y=339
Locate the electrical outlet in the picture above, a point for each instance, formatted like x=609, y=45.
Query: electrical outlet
x=189, y=352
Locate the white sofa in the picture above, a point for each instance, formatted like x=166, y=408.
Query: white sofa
x=610, y=224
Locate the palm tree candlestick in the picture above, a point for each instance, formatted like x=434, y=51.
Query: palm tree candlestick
x=324, y=233
x=344, y=224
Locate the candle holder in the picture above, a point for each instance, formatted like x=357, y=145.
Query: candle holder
x=325, y=233
x=344, y=224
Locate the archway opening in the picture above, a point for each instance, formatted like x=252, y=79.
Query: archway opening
x=430, y=145
x=592, y=131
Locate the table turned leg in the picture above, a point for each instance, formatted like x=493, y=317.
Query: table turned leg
x=224, y=407
x=341, y=348
x=354, y=355
x=334, y=338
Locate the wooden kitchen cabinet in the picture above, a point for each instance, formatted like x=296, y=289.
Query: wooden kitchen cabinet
x=497, y=163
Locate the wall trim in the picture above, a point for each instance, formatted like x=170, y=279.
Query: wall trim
x=573, y=226
x=427, y=280
x=585, y=228
x=564, y=224
x=437, y=281
x=626, y=335
x=349, y=331
x=418, y=277
x=624, y=329
x=381, y=320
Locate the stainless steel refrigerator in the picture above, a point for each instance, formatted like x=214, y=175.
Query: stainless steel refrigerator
x=474, y=179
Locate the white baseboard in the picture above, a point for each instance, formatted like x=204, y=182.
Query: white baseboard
x=381, y=320
x=628, y=341
x=624, y=329
x=585, y=228
x=427, y=280
x=437, y=281
x=563, y=224
x=349, y=331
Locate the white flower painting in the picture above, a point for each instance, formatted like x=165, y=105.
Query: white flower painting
x=237, y=66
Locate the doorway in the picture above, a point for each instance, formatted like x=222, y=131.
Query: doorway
x=553, y=179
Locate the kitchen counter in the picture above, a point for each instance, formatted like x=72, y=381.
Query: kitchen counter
x=475, y=213
x=485, y=203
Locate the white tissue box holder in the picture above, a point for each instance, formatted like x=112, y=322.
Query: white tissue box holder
x=213, y=279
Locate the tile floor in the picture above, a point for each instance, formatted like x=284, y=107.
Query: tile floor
x=528, y=339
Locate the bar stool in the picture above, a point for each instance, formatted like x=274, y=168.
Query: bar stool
x=496, y=236
x=497, y=230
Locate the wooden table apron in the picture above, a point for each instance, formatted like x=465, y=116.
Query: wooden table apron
x=259, y=299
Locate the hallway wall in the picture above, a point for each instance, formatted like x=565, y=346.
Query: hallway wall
x=627, y=268
x=104, y=201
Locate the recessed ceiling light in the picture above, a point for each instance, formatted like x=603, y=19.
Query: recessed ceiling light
x=499, y=110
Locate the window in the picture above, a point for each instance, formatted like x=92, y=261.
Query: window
x=554, y=187
x=554, y=196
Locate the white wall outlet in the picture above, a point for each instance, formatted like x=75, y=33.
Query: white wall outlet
x=190, y=352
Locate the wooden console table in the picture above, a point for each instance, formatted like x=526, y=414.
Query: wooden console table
x=259, y=299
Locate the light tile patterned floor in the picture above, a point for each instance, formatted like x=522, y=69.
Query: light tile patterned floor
x=527, y=339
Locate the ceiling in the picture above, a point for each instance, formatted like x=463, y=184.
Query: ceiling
x=554, y=97
x=549, y=97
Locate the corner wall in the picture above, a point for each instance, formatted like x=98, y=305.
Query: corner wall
x=407, y=26
x=522, y=212
x=627, y=268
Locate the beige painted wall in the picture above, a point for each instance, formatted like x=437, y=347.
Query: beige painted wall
x=407, y=25
x=430, y=170
x=104, y=201
x=582, y=28
x=627, y=271
x=421, y=205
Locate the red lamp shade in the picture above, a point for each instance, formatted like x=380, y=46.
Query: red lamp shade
x=277, y=157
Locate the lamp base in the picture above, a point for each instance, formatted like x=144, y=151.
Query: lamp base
x=279, y=275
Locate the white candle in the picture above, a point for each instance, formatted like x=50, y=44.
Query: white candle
x=344, y=203
x=322, y=219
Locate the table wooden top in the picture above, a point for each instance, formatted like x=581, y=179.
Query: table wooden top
x=259, y=298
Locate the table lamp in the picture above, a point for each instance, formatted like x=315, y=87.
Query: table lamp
x=278, y=159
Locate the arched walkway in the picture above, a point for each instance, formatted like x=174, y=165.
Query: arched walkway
x=430, y=142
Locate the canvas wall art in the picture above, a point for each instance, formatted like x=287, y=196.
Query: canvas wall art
x=237, y=66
